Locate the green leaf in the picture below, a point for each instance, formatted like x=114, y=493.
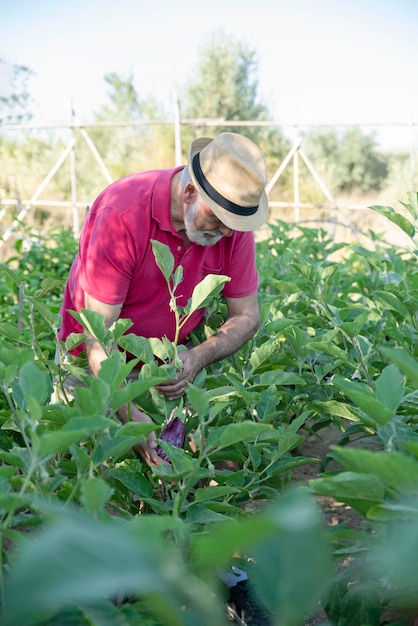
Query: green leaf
x=95, y=493
x=391, y=301
x=134, y=390
x=214, y=493
x=329, y=348
x=361, y=491
x=393, y=469
x=225, y=436
x=355, y=604
x=78, y=560
x=407, y=364
x=284, y=562
x=163, y=258
x=389, y=387
x=139, y=430
x=92, y=322
x=398, y=219
x=199, y=400
x=205, y=291
x=412, y=205
x=267, y=405
x=138, y=346
x=277, y=326
x=59, y=441
x=262, y=354
x=129, y=473
x=35, y=383
x=362, y=396
x=280, y=377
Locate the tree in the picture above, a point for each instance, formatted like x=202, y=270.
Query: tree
x=225, y=84
x=348, y=162
x=128, y=148
x=14, y=103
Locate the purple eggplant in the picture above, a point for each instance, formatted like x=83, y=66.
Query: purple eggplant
x=174, y=433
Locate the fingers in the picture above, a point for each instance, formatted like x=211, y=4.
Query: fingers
x=174, y=389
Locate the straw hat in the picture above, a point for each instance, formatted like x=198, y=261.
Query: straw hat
x=230, y=174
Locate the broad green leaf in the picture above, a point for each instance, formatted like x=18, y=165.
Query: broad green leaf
x=389, y=387
x=11, y=502
x=394, y=511
x=277, y=326
x=329, y=348
x=11, y=331
x=120, y=327
x=140, y=430
x=88, y=423
x=52, y=319
x=205, y=291
x=354, y=605
x=92, y=322
x=78, y=560
x=267, y=405
x=199, y=400
x=396, y=218
x=407, y=364
x=11, y=274
x=114, y=448
x=95, y=493
x=285, y=562
x=341, y=409
x=361, y=491
x=59, y=441
x=91, y=399
x=138, y=346
x=130, y=475
x=391, y=301
x=362, y=396
x=163, y=258
x=213, y=493
x=50, y=284
x=177, y=277
x=73, y=341
x=412, y=205
x=394, y=469
x=262, y=354
x=35, y=383
x=134, y=390
x=395, y=555
x=225, y=436
x=280, y=377
x=288, y=440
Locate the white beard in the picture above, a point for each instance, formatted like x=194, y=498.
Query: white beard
x=201, y=237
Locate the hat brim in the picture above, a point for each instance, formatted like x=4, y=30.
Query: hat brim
x=231, y=220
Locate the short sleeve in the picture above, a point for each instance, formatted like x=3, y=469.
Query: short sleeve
x=107, y=257
x=241, y=267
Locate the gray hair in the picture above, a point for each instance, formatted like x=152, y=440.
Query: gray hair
x=185, y=177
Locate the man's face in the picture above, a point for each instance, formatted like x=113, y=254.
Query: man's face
x=202, y=225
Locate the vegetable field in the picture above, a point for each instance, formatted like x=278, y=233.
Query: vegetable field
x=92, y=536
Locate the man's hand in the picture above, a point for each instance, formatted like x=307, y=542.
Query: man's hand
x=147, y=450
x=242, y=323
x=174, y=389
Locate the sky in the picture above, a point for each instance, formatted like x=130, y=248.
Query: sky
x=319, y=61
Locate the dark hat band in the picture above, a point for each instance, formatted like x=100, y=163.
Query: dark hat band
x=215, y=195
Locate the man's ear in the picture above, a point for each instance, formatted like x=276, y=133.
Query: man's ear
x=189, y=193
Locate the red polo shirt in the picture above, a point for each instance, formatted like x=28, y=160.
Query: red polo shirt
x=115, y=263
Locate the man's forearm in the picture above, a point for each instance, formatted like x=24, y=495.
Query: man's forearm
x=95, y=354
x=236, y=331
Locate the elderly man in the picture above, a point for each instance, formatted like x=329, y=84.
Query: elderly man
x=205, y=212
